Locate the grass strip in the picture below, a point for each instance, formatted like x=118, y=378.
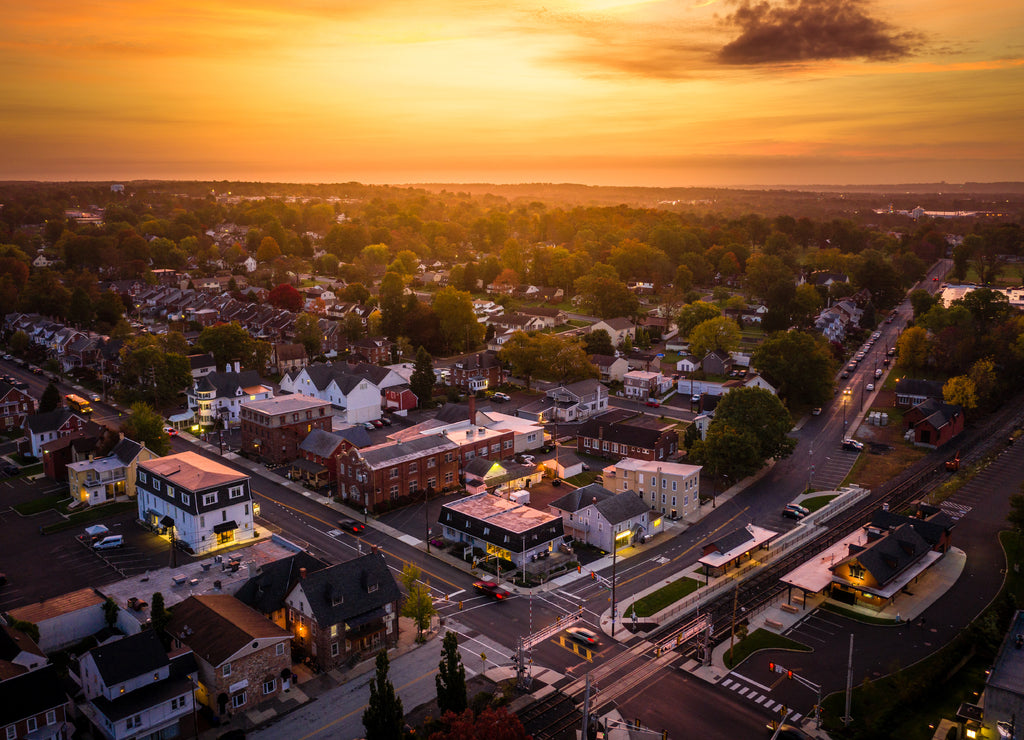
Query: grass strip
x=665, y=596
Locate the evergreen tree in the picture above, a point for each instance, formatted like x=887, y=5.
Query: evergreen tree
x=451, y=677
x=160, y=618
x=383, y=716
x=50, y=399
x=422, y=380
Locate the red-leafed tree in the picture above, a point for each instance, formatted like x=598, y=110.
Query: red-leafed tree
x=285, y=296
x=490, y=724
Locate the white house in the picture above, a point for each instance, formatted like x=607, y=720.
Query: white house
x=604, y=519
x=134, y=690
x=250, y=264
x=218, y=396
x=356, y=396
x=199, y=502
x=572, y=402
x=618, y=329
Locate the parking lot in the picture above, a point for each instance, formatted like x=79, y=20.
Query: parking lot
x=42, y=566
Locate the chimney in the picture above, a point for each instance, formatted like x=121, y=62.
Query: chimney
x=302, y=574
x=472, y=409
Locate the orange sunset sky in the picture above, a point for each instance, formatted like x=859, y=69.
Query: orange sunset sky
x=705, y=92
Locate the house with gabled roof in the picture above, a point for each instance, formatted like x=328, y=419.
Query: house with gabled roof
x=500, y=478
x=271, y=583
x=244, y=659
x=933, y=423
x=49, y=426
x=610, y=367
x=618, y=329
x=354, y=396
x=621, y=433
x=604, y=519
x=104, y=479
x=16, y=405
x=18, y=653
x=218, y=396
x=347, y=610
x=134, y=689
x=35, y=705
x=571, y=402
x=734, y=547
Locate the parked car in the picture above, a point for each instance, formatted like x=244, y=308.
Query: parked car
x=653, y=403
x=492, y=589
x=816, y=411
x=793, y=514
x=845, y=374
x=377, y=423
x=797, y=507
x=870, y=386
x=368, y=426
x=878, y=373
x=171, y=431
x=582, y=635
x=109, y=542
x=350, y=525
x=852, y=444
x=501, y=397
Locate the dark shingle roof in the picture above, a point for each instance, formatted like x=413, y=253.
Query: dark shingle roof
x=48, y=421
x=126, y=450
x=265, y=592
x=230, y=384
x=731, y=540
x=357, y=435
x=151, y=694
x=391, y=453
x=216, y=626
x=31, y=693
x=622, y=507
x=321, y=443
x=885, y=558
x=582, y=497
x=346, y=591
x=131, y=656
x=922, y=388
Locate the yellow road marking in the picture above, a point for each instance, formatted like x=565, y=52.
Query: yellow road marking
x=331, y=525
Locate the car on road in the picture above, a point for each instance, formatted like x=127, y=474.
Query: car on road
x=654, y=404
x=891, y=352
x=793, y=514
x=797, y=507
x=95, y=397
x=492, y=589
x=935, y=279
x=878, y=373
x=845, y=374
x=8, y=358
x=852, y=444
x=847, y=391
x=171, y=431
x=816, y=411
x=582, y=635
x=870, y=386
x=350, y=525
x=501, y=397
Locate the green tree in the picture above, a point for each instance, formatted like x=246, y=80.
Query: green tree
x=800, y=366
x=160, y=617
x=912, y=347
x=598, y=343
x=269, y=250
x=230, y=342
x=421, y=382
x=418, y=606
x=149, y=369
x=50, y=399
x=451, y=677
x=523, y=352
x=392, y=304
x=308, y=333
x=604, y=294
x=146, y=425
x=80, y=310
x=695, y=313
x=460, y=331
x=109, y=309
x=750, y=426
x=763, y=273
x=18, y=342
x=960, y=390
x=721, y=334
x=922, y=302
x=110, y=612
x=29, y=628
x=383, y=716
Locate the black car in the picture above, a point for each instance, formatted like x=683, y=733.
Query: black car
x=350, y=525
x=793, y=514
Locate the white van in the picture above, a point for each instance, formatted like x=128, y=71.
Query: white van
x=108, y=543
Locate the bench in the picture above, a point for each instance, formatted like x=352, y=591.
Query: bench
x=777, y=626
x=792, y=609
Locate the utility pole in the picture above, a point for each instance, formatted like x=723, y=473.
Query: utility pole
x=586, y=705
x=732, y=633
x=614, y=552
x=849, y=685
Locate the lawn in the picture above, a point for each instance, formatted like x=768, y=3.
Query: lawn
x=856, y=615
x=816, y=502
x=665, y=596
x=36, y=505
x=760, y=640
x=90, y=515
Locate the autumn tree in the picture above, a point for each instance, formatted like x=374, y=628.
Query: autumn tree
x=309, y=334
x=418, y=606
x=269, y=250
x=451, y=677
x=602, y=293
x=493, y=723
x=383, y=716
x=720, y=334
x=912, y=348
x=460, y=331
x=695, y=313
x=960, y=390
x=286, y=297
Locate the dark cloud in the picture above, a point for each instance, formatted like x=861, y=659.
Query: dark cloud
x=808, y=30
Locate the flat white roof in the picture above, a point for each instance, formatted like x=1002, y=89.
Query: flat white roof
x=656, y=466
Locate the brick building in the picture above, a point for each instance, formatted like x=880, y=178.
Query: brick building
x=35, y=705
x=244, y=658
x=622, y=433
x=477, y=372
x=387, y=475
x=273, y=428
x=15, y=406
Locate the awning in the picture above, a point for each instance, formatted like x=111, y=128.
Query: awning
x=166, y=522
x=223, y=527
x=308, y=466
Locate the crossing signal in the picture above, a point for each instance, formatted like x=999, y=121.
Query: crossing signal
x=771, y=667
x=789, y=674
x=579, y=568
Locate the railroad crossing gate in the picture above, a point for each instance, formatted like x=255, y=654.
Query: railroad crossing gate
x=581, y=650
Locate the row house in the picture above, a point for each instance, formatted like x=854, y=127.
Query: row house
x=35, y=705
x=273, y=428
x=243, y=658
x=16, y=405
x=218, y=396
x=134, y=689
x=355, y=397
x=620, y=433
x=80, y=352
x=568, y=403
x=477, y=372
x=109, y=478
x=380, y=476
x=345, y=611
x=200, y=502
x=374, y=350
x=317, y=462
x=340, y=309
x=287, y=358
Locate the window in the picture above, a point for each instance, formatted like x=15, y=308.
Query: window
x=238, y=700
x=856, y=570
x=210, y=499
x=170, y=491
x=394, y=472
x=664, y=482
x=448, y=477
x=51, y=717
x=394, y=492
x=334, y=649
x=202, y=520
x=447, y=457
x=673, y=500
x=639, y=479
x=663, y=498
x=236, y=491
x=495, y=448
x=334, y=632
x=673, y=485
x=269, y=686
x=507, y=444
x=157, y=484
x=226, y=670
x=413, y=468
x=413, y=487
x=142, y=476
x=177, y=702
x=134, y=722
x=431, y=462
x=279, y=650
x=186, y=499
x=12, y=732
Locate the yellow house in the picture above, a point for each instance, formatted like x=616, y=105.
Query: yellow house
x=110, y=478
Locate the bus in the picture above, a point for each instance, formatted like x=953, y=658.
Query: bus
x=77, y=403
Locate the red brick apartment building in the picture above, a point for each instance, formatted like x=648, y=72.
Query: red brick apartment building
x=273, y=428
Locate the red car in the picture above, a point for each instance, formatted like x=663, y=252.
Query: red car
x=492, y=589
x=352, y=526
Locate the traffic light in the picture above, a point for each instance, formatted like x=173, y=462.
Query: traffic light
x=579, y=568
x=593, y=576
x=789, y=674
x=771, y=667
